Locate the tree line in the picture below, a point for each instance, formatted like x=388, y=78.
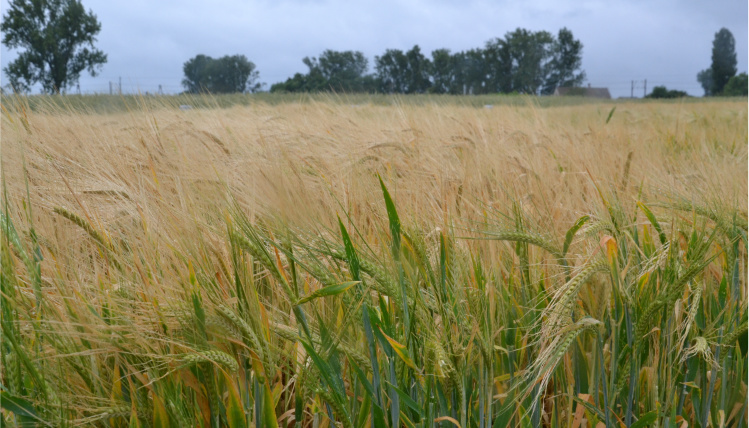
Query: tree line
x=524, y=61
x=57, y=38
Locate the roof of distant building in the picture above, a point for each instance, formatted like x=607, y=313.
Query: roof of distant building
x=584, y=92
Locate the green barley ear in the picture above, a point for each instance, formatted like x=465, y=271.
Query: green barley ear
x=12, y=368
x=688, y=321
x=220, y=326
x=339, y=408
x=599, y=226
x=101, y=239
x=671, y=293
x=86, y=226
x=212, y=356
x=557, y=314
x=528, y=238
x=725, y=218
x=250, y=239
x=249, y=336
x=554, y=345
x=383, y=282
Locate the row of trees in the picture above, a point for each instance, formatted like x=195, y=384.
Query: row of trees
x=523, y=61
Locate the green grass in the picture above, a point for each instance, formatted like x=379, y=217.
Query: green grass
x=107, y=104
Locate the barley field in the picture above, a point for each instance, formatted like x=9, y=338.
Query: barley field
x=388, y=262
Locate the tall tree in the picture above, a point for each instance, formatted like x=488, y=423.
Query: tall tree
x=476, y=69
x=498, y=58
x=234, y=73
x=443, y=72
x=227, y=74
x=343, y=70
x=522, y=61
x=566, y=61
x=390, y=70
x=418, y=70
x=314, y=81
x=529, y=52
x=724, y=59
x=404, y=73
x=58, y=37
x=197, y=74
x=333, y=70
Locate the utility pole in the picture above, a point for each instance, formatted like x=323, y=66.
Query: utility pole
x=120, y=85
x=635, y=84
x=110, y=87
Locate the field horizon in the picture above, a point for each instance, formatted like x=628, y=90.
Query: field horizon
x=98, y=103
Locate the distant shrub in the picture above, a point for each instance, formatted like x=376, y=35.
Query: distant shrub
x=663, y=92
x=737, y=86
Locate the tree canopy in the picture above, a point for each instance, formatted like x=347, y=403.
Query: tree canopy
x=737, y=86
x=663, y=92
x=705, y=77
x=342, y=71
x=223, y=75
x=724, y=59
x=58, y=40
x=403, y=72
x=723, y=66
x=564, y=67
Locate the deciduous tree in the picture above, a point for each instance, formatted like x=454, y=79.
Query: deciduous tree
x=403, y=72
x=529, y=52
x=390, y=69
x=342, y=71
x=58, y=40
x=227, y=74
x=565, y=63
x=443, y=73
x=737, y=86
x=705, y=77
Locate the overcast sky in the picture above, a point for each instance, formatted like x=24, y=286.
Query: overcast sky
x=666, y=42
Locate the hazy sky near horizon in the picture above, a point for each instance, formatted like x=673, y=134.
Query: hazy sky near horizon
x=666, y=42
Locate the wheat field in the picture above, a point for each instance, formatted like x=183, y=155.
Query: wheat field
x=319, y=263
